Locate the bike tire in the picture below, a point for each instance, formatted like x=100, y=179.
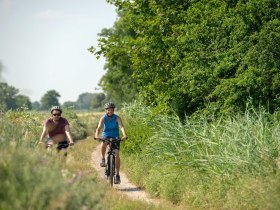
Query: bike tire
x=107, y=171
x=111, y=170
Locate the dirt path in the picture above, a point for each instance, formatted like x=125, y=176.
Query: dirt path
x=125, y=187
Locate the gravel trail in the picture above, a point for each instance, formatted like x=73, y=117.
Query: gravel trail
x=125, y=187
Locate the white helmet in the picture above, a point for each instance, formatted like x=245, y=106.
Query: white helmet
x=109, y=105
x=56, y=108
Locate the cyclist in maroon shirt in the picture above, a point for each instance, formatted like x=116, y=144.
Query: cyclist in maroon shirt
x=58, y=130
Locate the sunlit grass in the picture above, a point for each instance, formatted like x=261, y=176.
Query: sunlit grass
x=34, y=178
x=230, y=163
x=203, y=164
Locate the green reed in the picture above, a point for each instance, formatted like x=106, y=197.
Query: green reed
x=201, y=162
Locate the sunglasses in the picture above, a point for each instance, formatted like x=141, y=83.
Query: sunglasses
x=56, y=114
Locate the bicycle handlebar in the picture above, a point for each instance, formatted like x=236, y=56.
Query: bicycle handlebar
x=110, y=139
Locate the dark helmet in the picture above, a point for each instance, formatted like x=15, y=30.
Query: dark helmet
x=56, y=108
x=109, y=105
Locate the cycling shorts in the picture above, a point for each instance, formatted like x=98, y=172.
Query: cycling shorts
x=62, y=145
x=115, y=145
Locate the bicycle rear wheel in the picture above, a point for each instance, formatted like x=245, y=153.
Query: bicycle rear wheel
x=111, y=169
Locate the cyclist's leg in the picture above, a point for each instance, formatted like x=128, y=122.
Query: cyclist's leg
x=49, y=144
x=118, y=161
x=103, y=151
x=117, y=167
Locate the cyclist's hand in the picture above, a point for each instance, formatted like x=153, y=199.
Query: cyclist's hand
x=124, y=138
x=71, y=143
x=41, y=143
x=97, y=138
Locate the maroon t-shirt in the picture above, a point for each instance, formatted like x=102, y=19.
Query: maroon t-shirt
x=54, y=128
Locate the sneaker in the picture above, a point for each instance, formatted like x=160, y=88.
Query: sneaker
x=102, y=162
x=117, y=179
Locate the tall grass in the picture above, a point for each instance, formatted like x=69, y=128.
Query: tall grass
x=32, y=178
x=20, y=128
x=245, y=143
x=202, y=163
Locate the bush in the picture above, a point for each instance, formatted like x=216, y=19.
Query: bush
x=28, y=183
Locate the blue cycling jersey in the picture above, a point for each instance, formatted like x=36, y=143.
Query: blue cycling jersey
x=110, y=127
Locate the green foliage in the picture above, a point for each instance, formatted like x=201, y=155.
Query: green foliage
x=77, y=128
x=188, y=56
x=1, y=70
x=205, y=163
x=20, y=128
x=98, y=100
x=115, y=44
x=32, y=178
x=140, y=125
x=84, y=101
x=35, y=105
x=87, y=101
x=69, y=104
x=23, y=101
x=9, y=98
x=49, y=99
x=28, y=183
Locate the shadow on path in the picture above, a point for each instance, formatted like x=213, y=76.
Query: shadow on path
x=130, y=189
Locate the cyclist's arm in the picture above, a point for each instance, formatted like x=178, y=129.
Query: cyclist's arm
x=99, y=126
x=68, y=134
x=119, y=120
x=44, y=133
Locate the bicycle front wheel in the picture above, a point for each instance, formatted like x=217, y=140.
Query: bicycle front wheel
x=111, y=169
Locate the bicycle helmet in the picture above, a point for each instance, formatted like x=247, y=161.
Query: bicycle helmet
x=56, y=108
x=109, y=105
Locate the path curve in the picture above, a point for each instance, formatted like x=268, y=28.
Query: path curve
x=125, y=187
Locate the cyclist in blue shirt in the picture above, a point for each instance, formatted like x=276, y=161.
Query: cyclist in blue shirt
x=111, y=124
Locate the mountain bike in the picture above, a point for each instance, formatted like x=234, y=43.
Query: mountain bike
x=110, y=159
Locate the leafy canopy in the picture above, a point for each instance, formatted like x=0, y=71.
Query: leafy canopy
x=194, y=56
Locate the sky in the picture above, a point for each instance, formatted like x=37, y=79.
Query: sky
x=43, y=45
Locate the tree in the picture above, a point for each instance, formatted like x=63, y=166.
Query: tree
x=84, y=101
x=7, y=96
x=1, y=70
x=191, y=56
x=36, y=105
x=23, y=101
x=49, y=99
x=98, y=99
x=69, y=104
x=10, y=100
x=116, y=45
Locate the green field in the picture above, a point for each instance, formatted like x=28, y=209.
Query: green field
x=227, y=163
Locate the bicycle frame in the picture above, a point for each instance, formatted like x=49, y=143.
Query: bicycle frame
x=110, y=163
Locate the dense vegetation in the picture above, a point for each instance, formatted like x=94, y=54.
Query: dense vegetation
x=189, y=56
x=232, y=162
x=194, y=60
x=206, y=75
x=32, y=178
